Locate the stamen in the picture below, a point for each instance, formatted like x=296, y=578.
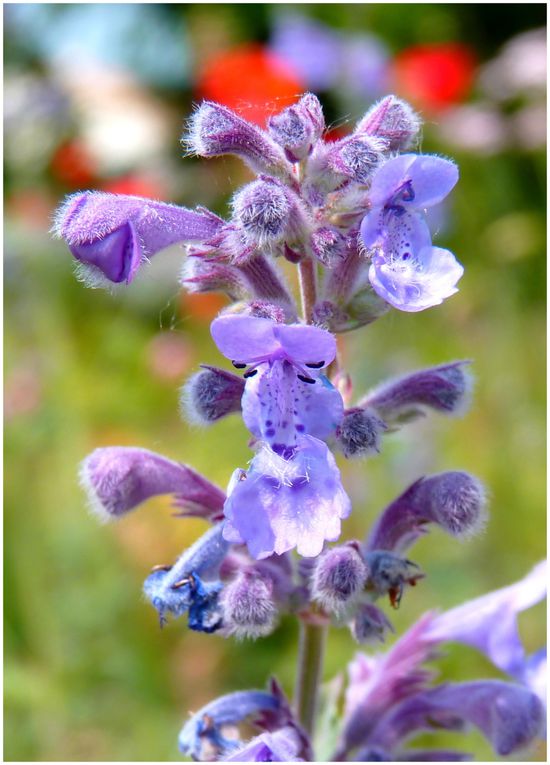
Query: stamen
x=316, y=365
x=161, y=567
x=250, y=373
x=305, y=379
x=238, y=365
x=181, y=583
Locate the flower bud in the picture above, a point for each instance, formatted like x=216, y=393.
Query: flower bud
x=338, y=577
x=370, y=625
x=328, y=246
x=356, y=157
x=248, y=606
x=388, y=575
x=112, y=235
x=117, y=479
x=453, y=500
x=456, y=500
x=267, y=212
x=215, y=130
x=444, y=388
x=210, y=395
x=203, y=274
x=392, y=120
x=298, y=127
x=359, y=432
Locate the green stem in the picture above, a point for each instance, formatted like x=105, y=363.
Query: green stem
x=310, y=669
x=307, y=276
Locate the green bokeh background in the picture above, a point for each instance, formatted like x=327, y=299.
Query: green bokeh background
x=88, y=674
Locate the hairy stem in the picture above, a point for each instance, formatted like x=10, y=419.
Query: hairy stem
x=307, y=275
x=310, y=667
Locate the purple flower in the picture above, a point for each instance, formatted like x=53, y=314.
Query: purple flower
x=282, y=503
x=510, y=716
x=379, y=682
x=489, y=623
x=283, y=745
x=205, y=726
x=112, y=235
x=285, y=394
x=118, y=478
x=388, y=698
x=312, y=48
x=192, y=583
x=406, y=270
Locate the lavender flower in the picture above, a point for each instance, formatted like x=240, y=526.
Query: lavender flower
x=283, y=745
x=179, y=588
x=285, y=393
x=281, y=504
x=406, y=270
x=112, y=235
x=205, y=726
x=489, y=623
x=351, y=215
x=389, y=697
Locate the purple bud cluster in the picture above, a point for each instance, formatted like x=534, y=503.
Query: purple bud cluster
x=350, y=214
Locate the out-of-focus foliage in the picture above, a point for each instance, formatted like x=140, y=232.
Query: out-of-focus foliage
x=95, y=96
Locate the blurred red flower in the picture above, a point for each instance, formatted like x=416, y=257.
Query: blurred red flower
x=434, y=76
x=250, y=80
x=73, y=165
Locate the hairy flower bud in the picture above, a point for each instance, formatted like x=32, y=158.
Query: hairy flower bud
x=298, y=127
x=392, y=120
x=248, y=606
x=338, y=577
x=359, y=432
x=215, y=130
x=444, y=388
x=112, y=235
x=117, y=479
x=370, y=625
x=356, y=157
x=203, y=274
x=268, y=212
x=210, y=395
x=388, y=574
x=453, y=500
x=328, y=246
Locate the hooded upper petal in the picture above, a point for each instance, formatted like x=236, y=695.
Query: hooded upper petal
x=489, y=623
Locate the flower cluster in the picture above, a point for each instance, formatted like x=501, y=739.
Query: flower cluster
x=350, y=215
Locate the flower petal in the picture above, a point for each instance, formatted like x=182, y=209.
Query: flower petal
x=489, y=623
x=282, y=504
x=423, y=283
x=431, y=179
x=313, y=409
x=244, y=338
x=306, y=344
